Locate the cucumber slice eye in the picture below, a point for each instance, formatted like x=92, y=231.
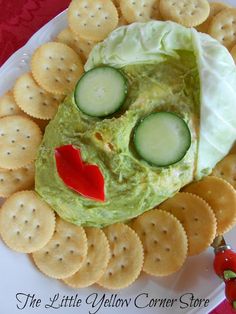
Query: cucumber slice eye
x=101, y=91
x=162, y=139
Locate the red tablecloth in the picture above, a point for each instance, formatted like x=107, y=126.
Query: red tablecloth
x=19, y=20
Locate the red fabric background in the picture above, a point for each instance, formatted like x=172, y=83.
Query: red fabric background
x=19, y=20
x=223, y=308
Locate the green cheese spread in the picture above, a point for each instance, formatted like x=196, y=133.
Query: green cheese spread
x=132, y=186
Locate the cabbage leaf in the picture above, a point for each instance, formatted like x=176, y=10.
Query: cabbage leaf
x=144, y=43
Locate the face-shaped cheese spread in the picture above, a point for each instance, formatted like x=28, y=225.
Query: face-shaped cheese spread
x=132, y=186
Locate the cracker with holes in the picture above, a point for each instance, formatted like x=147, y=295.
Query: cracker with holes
x=8, y=105
x=33, y=100
x=126, y=259
x=92, y=19
x=215, y=8
x=56, y=68
x=27, y=222
x=65, y=253
x=164, y=240
x=221, y=197
x=14, y=180
x=139, y=10
x=226, y=169
x=79, y=45
x=223, y=27
x=233, y=53
x=186, y=12
x=196, y=216
x=96, y=260
x=20, y=138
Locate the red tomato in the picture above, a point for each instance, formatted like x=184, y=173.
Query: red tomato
x=225, y=261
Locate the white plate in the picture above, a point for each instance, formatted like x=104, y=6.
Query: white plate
x=19, y=275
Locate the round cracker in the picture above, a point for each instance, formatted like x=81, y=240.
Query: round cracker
x=56, y=68
x=164, y=240
x=140, y=10
x=233, y=53
x=20, y=138
x=8, y=105
x=79, y=45
x=226, y=169
x=92, y=19
x=186, y=12
x=96, y=261
x=14, y=180
x=126, y=260
x=215, y=8
x=33, y=100
x=27, y=222
x=65, y=253
x=223, y=27
x=221, y=197
x=196, y=216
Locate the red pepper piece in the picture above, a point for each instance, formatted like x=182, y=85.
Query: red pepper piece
x=230, y=292
x=83, y=178
x=224, y=261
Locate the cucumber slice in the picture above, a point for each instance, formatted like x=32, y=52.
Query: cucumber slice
x=162, y=139
x=101, y=91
